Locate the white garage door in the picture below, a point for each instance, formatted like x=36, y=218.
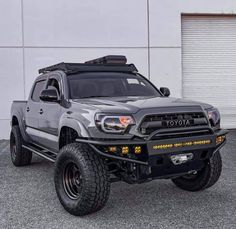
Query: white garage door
x=209, y=63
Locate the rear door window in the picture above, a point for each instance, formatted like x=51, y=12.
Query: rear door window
x=53, y=83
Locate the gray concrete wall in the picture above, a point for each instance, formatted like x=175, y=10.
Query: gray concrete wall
x=37, y=33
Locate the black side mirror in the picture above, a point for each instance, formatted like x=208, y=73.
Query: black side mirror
x=49, y=95
x=165, y=91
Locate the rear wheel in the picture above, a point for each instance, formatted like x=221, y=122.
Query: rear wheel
x=81, y=179
x=19, y=155
x=204, y=178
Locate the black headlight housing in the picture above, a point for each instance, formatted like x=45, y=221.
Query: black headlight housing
x=214, y=116
x=114, y=124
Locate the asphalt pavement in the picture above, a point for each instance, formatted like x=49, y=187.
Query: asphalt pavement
x=28, y=200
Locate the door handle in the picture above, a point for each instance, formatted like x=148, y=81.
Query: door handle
x=41, y=111
x=27, y=109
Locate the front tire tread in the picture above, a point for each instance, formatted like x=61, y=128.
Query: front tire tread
x=97, y=185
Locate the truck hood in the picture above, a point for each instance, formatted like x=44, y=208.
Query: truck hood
x=134, y=104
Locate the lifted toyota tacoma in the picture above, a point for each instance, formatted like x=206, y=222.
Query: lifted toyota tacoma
x=102, y=122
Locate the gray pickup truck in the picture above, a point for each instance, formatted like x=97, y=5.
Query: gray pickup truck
x=101, y=122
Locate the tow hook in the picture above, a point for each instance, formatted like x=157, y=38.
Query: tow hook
x=194, y=172
x=181, y=158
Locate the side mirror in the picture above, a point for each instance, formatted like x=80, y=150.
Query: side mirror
x=165, y=91
x=49, y=95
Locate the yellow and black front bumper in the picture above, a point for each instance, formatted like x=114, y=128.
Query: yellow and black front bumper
x=186, y=143
x=148, y=151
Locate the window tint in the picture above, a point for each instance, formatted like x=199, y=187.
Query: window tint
x=39, y=86
x=109, y=84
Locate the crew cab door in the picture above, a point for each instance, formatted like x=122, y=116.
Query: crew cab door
x=49, y=116
x=33, y=109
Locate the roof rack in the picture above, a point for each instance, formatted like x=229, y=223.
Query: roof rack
x=111, y=59
x=60, y=66
x=107, y=63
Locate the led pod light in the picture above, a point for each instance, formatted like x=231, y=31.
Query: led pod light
x=117, y=124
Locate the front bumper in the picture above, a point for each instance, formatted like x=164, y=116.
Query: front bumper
x=163, y=144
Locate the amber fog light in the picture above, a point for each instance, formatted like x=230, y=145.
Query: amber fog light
x=125, y=150
x=220, y=139
x=137, y=149
x=112, y=149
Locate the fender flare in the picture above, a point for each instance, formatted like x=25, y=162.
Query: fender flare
x=74, y=124
x=22, y=126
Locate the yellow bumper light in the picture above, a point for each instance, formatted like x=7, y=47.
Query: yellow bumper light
x=181, y=144
x=220, y=139
x=112, y=149
x=137, y=149
x=125, y=150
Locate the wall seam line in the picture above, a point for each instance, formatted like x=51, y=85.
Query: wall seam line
x=23, y=44
x=148, y=37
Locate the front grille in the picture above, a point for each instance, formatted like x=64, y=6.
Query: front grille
x=177, y=120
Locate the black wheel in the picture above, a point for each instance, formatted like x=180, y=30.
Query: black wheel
x=204, y=178
x=19, y=155
x=82, y=179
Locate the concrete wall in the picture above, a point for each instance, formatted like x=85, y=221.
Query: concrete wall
x=37, y=33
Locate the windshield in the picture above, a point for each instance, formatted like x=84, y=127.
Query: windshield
x=109, y=84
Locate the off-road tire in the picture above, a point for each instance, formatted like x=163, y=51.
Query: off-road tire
x=205, y=178
x=19, y=155
x=94, y=179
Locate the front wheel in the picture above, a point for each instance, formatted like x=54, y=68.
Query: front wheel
x=81, y=179
x=204, y=178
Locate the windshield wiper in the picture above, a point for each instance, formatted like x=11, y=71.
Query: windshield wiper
x=94, y=96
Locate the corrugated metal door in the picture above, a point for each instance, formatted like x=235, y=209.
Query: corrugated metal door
x=209, y=63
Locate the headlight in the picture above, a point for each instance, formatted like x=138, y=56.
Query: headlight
x=114, y=123
x=214, y=116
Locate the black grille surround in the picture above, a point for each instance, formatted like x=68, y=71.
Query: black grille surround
x=186, y=120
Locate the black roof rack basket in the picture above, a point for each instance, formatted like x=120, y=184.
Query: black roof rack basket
x=60, y=66
x=107, y=63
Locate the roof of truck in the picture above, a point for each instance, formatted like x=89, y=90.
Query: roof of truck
x=111, y=63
